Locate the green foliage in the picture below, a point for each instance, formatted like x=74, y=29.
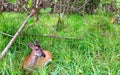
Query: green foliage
x=30, y=3
x=96, y=52
x=42, y=10
x=13, y=1
x=118, y=4
x=47, y=10
x=105, y=1
x=31, y=20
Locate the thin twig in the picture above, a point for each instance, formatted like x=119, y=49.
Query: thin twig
x=55, y=36
x=68, y=7
x=83, y=7
x=5, y=34
x=54, y=9
x=37, y=3
x=27, y=30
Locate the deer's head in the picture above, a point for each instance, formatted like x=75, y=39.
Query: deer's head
x=36, y=49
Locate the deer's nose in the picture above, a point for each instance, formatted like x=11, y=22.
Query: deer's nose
x=43, y=55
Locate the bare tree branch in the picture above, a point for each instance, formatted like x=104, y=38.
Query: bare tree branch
x=14, y=37
x=83, y=7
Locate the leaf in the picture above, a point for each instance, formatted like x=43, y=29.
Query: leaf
x=48, y=10
x=80, y=71
x=31, y=20
x=42, y=10
x=30, y=4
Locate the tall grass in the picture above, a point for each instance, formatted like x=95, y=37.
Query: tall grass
x=95, y=51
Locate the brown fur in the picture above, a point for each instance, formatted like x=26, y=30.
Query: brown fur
x=40, y=60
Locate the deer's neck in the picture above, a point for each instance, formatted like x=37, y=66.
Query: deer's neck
x=33, y=61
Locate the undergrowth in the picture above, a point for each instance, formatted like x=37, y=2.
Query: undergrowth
x=92, y=46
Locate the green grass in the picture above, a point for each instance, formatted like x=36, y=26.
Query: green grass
x=94, y=49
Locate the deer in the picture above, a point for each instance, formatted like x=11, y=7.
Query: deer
x=37, y=58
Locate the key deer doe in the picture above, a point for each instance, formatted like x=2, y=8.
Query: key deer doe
x=37, y=58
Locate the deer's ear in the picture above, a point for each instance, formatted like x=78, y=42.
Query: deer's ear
x=37, y=42
x=31, y=45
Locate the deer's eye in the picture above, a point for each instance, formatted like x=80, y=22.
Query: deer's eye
x=36, y=49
